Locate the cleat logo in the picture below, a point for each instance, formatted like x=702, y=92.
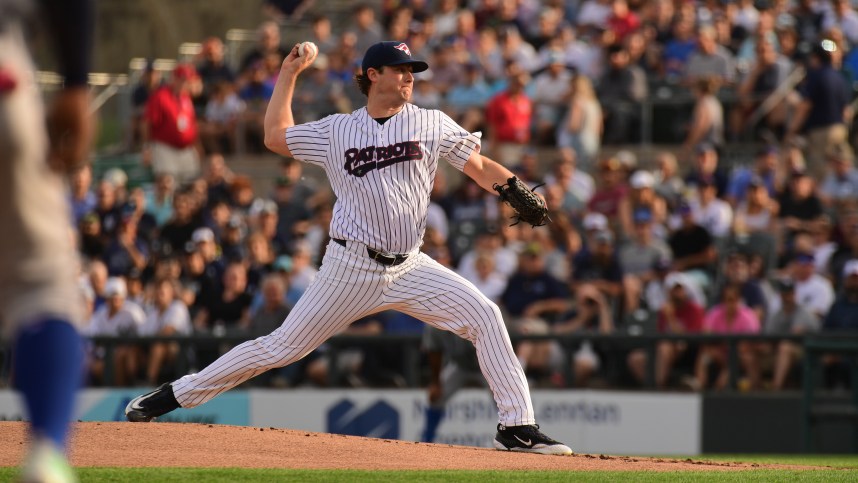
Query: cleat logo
x=527, y=443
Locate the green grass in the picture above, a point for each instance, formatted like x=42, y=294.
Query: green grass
x=834, y=461
x=233, y=474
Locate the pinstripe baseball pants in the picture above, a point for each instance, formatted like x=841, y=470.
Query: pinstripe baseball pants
x=350, y=286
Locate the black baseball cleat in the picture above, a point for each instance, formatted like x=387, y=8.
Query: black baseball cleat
x=528, y=439
x=147, y=407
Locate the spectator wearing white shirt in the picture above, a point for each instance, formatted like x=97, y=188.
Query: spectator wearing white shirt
x=117, y=317
x=550, y=92
x=505, y=260
x=486, y=278
x=841, y=184
x=844, y=17
x=166, y=316
x=812, y=291
x=711, y=212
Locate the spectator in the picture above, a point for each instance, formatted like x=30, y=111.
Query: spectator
x=706, y=169
x=707, y=120
x=746, y=17
x=171, y=128
x=259, y=261
x=621, y=89
x=160, y=202
x=693, y=249
x=769, y=71
x=91, y=242
x=212, y=69
x=728, y=317
x=800, y=208
x=487, y=278
x=149, y=82
x=764, y=170
x=490, y=243
x=579, y=133
x=465, y=100
x=737, y=271
x=274, y=310
x=638, y=256
x=515, y=49
x=222, y=113
x=230, y=310
x=792, y=318
x=117, y=317
x=302, y=274
x=710, y=59
x=107, y=208
x=610, y=191
x=127, y=251
x=255, y=94
x=843, y=313
x=840, y=187
x=166, y=316
x=533, y=297
x=551, y=89
x=575, y=187
x=822, y=111
x=267, y=43
x=318, y=94
x=677, y=51
x=813, y=291
x=508, y=118
x=764, y=32
x=842, y=15
x=322, y=37
x=758, y=213
x=177, y=232
x=712, y=212
x=81, y=197
x=669, y=184
x=366, y=31
x=622, y=22
x=595, y=14
x=679, y=314
x=643, y=197
x=598, y=265
x=592, y=314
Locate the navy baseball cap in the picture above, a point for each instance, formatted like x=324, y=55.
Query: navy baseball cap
x=390, y=52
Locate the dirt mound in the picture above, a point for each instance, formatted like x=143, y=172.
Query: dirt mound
x=202, y=445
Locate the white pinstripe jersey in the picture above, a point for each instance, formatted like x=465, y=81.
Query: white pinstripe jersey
x=382, y=174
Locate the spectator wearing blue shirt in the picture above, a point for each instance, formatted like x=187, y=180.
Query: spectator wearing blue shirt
x=535, y=299
x=81, y=198
x=840, y=187
x=599, y=265
x=764, y=169
x=127, y=251
x=821, y=115
x=678, y=51
x=465, y=101
x=843, y=314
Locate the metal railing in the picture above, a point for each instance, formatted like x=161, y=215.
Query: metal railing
x=611, y=344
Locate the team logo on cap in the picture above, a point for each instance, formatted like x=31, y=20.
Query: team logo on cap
x=403, y=48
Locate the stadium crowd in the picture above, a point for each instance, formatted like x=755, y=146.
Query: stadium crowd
x=678, y=241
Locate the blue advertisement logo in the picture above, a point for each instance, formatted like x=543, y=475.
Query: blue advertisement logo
x=380, y=420
x=230, y=408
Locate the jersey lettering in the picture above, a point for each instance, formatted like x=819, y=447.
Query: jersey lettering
x=359, y=162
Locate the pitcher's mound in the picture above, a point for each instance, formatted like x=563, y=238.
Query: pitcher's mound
x=203, y=445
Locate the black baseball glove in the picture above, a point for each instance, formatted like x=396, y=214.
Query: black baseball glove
x=528, y=207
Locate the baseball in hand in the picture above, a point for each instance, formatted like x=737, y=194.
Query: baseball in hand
x=307, y=48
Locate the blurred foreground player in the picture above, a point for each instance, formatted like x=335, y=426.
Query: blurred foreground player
x=38, y=296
